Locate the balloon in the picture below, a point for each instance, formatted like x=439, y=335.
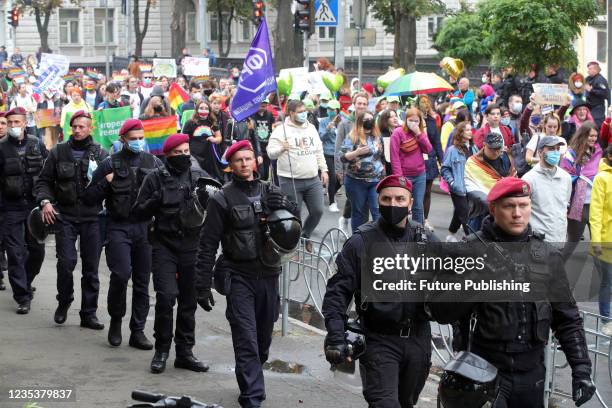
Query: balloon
x=388, y=78
x=452, y=66
x=333, y=82
x=284, y=83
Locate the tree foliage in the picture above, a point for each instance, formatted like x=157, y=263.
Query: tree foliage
x=42, y=10
x=541, y=32
x=227, y=11
x=463, y=37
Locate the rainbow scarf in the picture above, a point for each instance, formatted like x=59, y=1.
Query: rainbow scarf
x=177, y=96
x=157, y=131
x=480, y=173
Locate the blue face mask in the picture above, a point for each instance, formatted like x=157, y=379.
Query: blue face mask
x=552, y=157
x=324, y=104
x=536, y=120
x=136, y=146
x=505, y=121
x=331, y=114
x=301, y=117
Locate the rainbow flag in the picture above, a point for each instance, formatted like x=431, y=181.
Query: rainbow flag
x=15, y=72
x=156, y=132
x=177, y=96
x=146, y=67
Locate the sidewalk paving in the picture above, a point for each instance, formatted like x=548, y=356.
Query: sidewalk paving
x=34, y=351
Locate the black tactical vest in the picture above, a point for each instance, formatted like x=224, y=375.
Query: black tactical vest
x=20, y=172
x=126, y=183
x=243, y=238
x=72, y=174
x=176, y=200
x=385, y=316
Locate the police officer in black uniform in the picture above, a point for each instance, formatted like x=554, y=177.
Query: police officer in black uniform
x=128, y=251
x=21, y=160
x=397, y=356
x=234, y=219
x=3, y=260
x=167, y=195
x=63, y=180
x=512, y=335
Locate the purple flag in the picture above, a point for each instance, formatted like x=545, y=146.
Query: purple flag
x=257, y=78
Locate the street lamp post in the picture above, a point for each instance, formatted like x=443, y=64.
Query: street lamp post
x=105, y=32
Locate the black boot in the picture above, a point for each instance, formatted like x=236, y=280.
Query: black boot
x=189, y=362
x=23, y=307
x=158, y=364
x=61, y=313
x=114, y=332
x=139, y=340
x=91, y=322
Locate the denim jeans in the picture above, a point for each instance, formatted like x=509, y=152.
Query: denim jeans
x=418, y=195
x=605, y=273
x=309, y=191
x=363, y=197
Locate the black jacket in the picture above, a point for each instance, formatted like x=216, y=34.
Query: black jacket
x=597, y=97
x=512, y=335
x=49, y=185
x=346, y=284
x=237, y=131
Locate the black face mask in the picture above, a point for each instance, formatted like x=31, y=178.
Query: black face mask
x=157, y=109
x=180, y=163
x=208, y=92
x=368, y=124
x=393, y=215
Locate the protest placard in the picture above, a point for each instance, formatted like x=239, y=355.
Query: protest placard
x=301, y=80
x=193, y=66
x=62, y=62
x=107, y=122
x=550, y=94
x=47, y=118
x=164, y=67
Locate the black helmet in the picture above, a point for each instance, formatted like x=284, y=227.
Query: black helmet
x=37, y=227
x=282, y=236
x=468, y=381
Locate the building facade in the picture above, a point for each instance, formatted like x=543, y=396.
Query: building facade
x=85, y=33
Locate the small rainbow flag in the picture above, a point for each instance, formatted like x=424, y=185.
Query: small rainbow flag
x=15, y=72
x=146, y=67
x=177, y=96
x=156, y=132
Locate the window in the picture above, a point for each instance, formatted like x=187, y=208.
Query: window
x=69, y=26
x=327, y=33
x=104, y=29
x=214, y=26
x=601, y=46
x=247, y=30
x=433, y=25
x=191, y=28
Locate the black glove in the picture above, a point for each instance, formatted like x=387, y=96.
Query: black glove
x=335, y=353
x=276, y=200
x=152, y=203
x=582, y=390
x=206, y=300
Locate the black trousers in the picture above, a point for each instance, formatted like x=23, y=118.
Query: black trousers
x=460, y=213
x=174, y=282
x=128, y=255
x=333, y=184
x=65, y=239
x=252, y=308
x=24, y=254
x=394, y=369
x=575, y=229
x=521, y=389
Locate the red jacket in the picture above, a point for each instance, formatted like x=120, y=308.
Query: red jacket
x=481, y=133
x=605, y=134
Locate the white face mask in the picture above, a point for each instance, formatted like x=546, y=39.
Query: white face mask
x=578, y=84
x=14, y=132
x=484, y=79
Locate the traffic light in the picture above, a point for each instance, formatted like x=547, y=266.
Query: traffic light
x=258, y=12
x=304, y=16
x=13, y=18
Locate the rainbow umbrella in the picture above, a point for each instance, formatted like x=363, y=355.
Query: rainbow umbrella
x=418, y=83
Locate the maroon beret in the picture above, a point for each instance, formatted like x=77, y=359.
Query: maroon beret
x=241, y=145
x=173, y=141
x=130, y=124
x=394, y=181
x=509, y=187
x=79, y=114
x=2, y=114
x=16, y=111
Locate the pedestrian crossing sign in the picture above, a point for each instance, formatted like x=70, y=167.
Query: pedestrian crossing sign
x=326, y=13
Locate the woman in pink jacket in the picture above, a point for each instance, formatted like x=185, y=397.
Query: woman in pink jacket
x=409, y=149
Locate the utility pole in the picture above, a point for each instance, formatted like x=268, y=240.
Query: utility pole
x=339, y=41
x=609, y=35
x=360, y=9
x=203, y=12
x=106, y=38
x=130, y=21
